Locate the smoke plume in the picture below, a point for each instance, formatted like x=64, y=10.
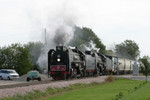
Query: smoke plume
x=63, y=35
x=58, y=23
x=58, y=35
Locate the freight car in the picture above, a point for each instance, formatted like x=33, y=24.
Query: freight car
x=119, y=65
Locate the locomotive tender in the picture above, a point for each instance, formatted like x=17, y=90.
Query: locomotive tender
x=68, y=62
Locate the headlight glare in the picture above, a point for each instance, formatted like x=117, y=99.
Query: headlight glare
x=58, y=59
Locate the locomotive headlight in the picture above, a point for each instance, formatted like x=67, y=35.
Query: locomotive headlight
x=58, y=59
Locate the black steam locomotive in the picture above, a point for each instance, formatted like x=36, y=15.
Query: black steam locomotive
x=66, y=62
x=70, y=62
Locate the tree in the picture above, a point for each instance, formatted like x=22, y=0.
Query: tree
x=23, y=62
x=110, y=53
x=15, y=57
x=34, y=49
x=146, y=68
x=83, y=37
x=7, y=55
x=127, y=49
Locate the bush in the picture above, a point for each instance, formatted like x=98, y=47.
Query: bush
x=119, y=96
x=110, y=78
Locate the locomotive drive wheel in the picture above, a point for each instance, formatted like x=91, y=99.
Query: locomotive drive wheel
x=85, y=74
x=8, y=78
x=98, y=73
x=28, y=79
x=66, y=77
x=101, y=73
x=75, y=73
x=39, y=79
x=54, y=78
x=1, y=78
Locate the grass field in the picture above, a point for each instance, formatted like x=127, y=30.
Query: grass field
x=143, y=93
x=122, y=88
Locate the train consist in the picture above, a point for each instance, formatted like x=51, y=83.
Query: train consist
x=68, y=62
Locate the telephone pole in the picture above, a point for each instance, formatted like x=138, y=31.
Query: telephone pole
x=45, y=36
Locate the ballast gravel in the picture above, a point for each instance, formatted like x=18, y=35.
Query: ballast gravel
x=42, y=87
x=139, y=78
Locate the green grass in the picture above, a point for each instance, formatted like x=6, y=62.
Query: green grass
x=143, y=93
x=107, y=91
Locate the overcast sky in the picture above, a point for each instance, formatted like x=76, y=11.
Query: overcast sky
x=113, y=21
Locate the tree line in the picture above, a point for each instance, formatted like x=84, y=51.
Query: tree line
x=18, y=57
x=23, y=57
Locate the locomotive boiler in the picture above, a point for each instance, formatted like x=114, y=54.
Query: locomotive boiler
x=94, y=63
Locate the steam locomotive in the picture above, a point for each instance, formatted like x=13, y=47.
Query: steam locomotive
x=70, y=62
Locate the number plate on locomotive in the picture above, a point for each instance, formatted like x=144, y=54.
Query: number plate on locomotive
x=58, y=67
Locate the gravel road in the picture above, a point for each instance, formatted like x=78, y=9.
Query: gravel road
x=43, y=87
x=140, y=78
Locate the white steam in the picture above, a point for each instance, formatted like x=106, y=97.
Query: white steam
x=91, y=46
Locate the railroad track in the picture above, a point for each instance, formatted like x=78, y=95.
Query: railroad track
x=23, y=84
